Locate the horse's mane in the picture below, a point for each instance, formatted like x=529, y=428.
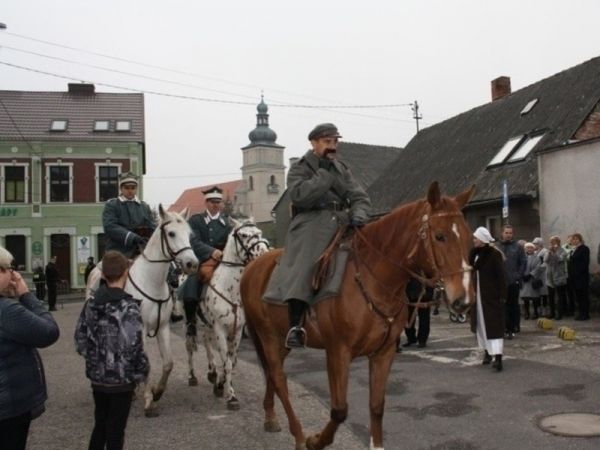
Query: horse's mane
x=385, y=231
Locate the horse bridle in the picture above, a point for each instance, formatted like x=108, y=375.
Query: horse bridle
x=164, y=244
x=239, y=242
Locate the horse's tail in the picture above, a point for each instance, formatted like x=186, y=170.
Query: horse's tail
x=260, y=350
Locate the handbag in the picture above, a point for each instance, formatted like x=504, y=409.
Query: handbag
x=536, y=283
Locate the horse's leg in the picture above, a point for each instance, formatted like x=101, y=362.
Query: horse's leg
x=164, y=346
x=232, y=346
x=338, y=365
x=379, y=370
x=190, y=347
x=149, y=405
x=272, y=349
x=271, y=422
x=208, y=338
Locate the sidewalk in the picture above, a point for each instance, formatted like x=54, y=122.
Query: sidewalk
x=190, y=417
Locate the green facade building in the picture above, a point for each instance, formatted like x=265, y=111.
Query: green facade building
x=60, y=156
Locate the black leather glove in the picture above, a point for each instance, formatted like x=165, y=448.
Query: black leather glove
x=325, y=163
x=139, y=241
x=356, y=222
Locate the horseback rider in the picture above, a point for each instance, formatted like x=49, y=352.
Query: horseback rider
x=127, y=220
x=324, y=196
x=210, y=231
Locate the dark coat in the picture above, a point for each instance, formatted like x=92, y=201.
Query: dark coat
x=120, y=219
x=579, y=267
x=207, y=235
x=313, y=190
x=489, y=272
x=25, y=325
x=52, y=275
x=515, y=261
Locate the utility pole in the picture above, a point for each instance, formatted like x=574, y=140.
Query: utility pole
x=415, y=107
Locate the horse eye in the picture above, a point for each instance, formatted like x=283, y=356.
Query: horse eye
x=440, y=237
x=171, y=234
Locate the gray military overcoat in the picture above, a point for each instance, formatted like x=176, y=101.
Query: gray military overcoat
x=313, y=192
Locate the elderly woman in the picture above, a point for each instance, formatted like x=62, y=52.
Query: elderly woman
x=556, y=259
x=532, y=282
x=25, y=325
x=487, y=319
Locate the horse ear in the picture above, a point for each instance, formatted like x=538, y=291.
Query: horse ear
x=185, y=212
x=433, y=195
x=233, y=223
x=161, y=211
x=463, y=198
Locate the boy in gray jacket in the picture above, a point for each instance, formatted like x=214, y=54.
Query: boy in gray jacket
x=109, y=336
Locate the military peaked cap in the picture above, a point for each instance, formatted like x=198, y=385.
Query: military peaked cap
x=128, y=178
x=214, y=193
x=324, y=130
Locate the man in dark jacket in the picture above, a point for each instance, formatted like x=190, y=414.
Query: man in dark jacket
x=127, y=221
x=210, y=232
x=515, y=264
x=52, y=277
x=25, y=325
x=88, y=269
x=324, y=195
x=414, y=292
x=579, y=274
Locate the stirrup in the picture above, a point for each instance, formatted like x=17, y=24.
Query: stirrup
x=291, y=341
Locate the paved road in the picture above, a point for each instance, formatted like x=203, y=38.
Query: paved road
x=441, y=397
x=438, y=398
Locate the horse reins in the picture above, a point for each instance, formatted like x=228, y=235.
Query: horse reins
x=424, y=236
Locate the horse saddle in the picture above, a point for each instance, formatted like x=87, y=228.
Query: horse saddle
x=207, y=269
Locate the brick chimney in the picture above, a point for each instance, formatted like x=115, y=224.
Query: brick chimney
x=81, y=89
x=500, y=88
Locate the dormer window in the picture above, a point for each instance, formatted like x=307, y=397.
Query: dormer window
x=529, y=106
x=505, y=151
x=59, y=125
x=525, y=148
x=101, y=125
x=123, y=125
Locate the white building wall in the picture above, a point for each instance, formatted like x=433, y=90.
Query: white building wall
x=570, y=195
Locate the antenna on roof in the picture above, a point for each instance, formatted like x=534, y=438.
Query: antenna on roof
x=415, y=107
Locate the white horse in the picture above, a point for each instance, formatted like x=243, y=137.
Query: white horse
x=147, y=281
x=221, y=314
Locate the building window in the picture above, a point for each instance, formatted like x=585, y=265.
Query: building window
x=15, y=189
x=529, y=106
x=59, y=125
x=494, y=225
x=101, y=125
x=525, y=148
x=16, y=245
x=505, y=151
x=272, y=187
x=123, y=125
x=250, y=183
x=108, y=182
x=59, y=183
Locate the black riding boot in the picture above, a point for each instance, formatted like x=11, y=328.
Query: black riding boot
x=296, y=335
x=190, y=307
x=497, y=363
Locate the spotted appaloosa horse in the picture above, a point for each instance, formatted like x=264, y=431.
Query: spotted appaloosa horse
x=427, y=237
x=221, y=310
x=147, y=281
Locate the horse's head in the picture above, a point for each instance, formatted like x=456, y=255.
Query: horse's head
x=245, y=241
x=174, y=233
x=445, y=242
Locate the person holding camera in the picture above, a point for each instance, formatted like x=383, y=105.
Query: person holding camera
x=25, y=326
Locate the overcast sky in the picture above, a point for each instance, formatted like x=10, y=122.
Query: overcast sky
x=442, y=54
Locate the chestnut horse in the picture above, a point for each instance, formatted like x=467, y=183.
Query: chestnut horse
x=427, y=239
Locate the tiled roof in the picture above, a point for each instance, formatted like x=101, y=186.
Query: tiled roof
x=194, y=198
x=456, y=152
x=33, y=113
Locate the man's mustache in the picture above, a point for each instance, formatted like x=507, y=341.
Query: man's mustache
x=328, y=151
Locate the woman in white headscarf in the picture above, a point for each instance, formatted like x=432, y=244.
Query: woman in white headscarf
x=487, y=318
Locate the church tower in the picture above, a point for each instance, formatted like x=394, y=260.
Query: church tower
x=263, y=170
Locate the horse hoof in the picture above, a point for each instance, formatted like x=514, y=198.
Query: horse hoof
x=272, y=426
x=212, y=377
x=312, y=442
x=218, y=391
x=192, y=381
x=233, y=404
x=156, y=395
x=151, y=412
